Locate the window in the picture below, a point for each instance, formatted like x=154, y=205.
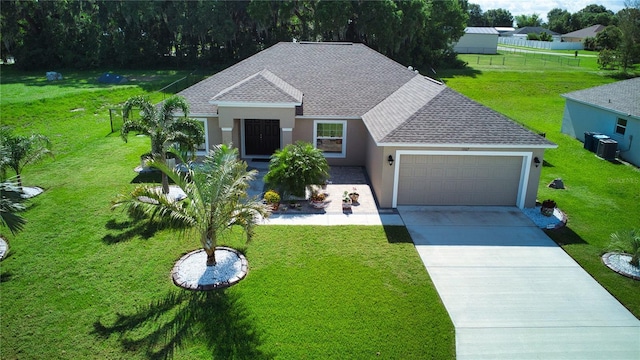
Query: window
x=202, y=148
x=330, y=136
x=621, y=126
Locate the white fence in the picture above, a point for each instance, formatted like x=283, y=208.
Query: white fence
x=547, y=45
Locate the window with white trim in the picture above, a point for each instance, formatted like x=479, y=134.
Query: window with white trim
x=621, y=126
x=330, y=136
x=202, y=148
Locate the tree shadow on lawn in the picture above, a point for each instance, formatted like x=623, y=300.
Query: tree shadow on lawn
x=134, y=227
x=565, y=236
x=215, y=318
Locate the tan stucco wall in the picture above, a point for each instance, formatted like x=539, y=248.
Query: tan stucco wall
x=228, y=114
x=381, y=174
x=357, y=135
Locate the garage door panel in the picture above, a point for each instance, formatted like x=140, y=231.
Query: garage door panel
x=458, y=180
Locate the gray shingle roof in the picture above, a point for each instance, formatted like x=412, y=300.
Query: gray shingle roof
x=352, y=81
x=452, y=118
x=533, y=30
x=262, y=87
x=337, y=79
x=590, y=31
x=622, y=97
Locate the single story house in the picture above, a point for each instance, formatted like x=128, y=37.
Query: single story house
x=478, y=40
x=525, y=31
x=420, y=142
x=612, y=110
x=580, y=35
x=503, y=30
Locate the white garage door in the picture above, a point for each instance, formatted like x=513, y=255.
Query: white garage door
x=458, y=180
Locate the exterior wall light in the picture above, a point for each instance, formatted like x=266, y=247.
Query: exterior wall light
x=536, y=161
x=390, y=160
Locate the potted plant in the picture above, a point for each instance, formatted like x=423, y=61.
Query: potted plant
x=346, y=201
x=272, y=198
x=547, y=207
x=317, y=199
x=354, y=195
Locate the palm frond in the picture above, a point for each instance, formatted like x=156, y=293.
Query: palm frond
x=11, y=202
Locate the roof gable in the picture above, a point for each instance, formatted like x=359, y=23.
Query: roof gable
x=622, y=97
x=452, y=118
x=262, y=87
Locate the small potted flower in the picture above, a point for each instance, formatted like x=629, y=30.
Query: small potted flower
x=353, y=195
x=317, y=199
x=272, y=198
x=346, y=201
x=547, y=207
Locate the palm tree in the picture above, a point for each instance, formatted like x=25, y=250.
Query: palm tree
x=629, y=242
x=216, y=199
x=11, y=202
x=162, y=127
x=17, y=151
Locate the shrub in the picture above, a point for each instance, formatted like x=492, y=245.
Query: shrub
x=297, y=166
x=272, y=197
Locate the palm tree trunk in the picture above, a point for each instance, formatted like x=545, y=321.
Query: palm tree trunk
x=211, y=256
x=19, y=178
x=165, y=183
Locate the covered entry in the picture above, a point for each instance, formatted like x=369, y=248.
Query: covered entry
x=460, y=178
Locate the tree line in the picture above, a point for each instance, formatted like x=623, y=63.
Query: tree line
x=187, y=34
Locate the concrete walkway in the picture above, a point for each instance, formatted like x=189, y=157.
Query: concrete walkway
x=512, y=293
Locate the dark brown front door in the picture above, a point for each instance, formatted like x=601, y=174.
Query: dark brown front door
x=261, y=137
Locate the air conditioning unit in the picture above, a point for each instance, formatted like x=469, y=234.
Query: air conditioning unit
x=596, y=142
x=607, y=149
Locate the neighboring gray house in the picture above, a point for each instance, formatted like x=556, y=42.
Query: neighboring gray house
x=420, y=142
x=523, y=32
x=580, y=35
x=478, y=40
x=612, y=109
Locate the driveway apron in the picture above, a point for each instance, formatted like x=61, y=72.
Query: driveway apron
x=513, y=293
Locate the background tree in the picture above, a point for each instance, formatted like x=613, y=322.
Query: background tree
x=162, y=128
x=18, y=151
x=157, y=34
x=559, y=20
x=629, y=25
x=216, y=199
x=498, y=17
x=533, y=20
x=609, y=38
x=476, y=16
x=592, y=15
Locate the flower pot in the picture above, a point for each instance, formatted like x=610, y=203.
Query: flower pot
x=346, y=205
x=354, y=197
x=274, y=206
x=317, y=204
x=546, y=211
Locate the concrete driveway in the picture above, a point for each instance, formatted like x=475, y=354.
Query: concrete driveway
x=512, y=293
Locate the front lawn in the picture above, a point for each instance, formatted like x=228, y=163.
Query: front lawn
x=601, y=197
x=84, y=282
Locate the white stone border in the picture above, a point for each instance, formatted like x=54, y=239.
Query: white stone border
x=244, y=268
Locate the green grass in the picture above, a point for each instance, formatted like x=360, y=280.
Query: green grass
x=601, y=197
x=83, y=281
